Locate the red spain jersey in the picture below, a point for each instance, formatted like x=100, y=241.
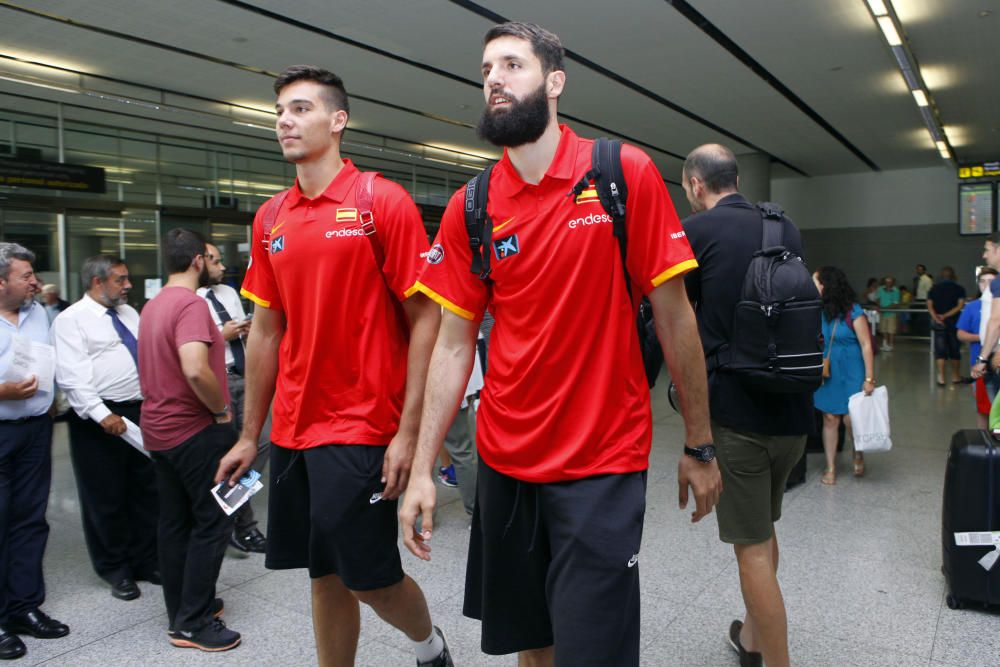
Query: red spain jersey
x=342, y=360
x=565, y=394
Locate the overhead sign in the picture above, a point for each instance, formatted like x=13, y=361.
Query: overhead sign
x=51, y=176
x=982, y=170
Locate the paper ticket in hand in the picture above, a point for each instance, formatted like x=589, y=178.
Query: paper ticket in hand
x=231, y=498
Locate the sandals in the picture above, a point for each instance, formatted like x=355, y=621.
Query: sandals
x=829, y=477
x=859, y=467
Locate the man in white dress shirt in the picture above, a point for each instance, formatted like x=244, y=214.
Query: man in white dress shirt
x=96, y=367
x=227, y=312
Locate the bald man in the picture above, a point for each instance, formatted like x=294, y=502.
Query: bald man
x=759, y=436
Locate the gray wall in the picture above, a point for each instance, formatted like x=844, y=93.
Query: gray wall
x=901, y=197
x=873, y=252
x=873, y=224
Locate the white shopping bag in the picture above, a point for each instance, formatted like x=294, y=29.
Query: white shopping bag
x=870, y=420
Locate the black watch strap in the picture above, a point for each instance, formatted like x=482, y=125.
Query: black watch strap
x=703, y=453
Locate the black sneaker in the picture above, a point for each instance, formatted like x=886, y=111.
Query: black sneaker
x=212, y=638
x=443, y=659
x=747, y=658
x=252, y=541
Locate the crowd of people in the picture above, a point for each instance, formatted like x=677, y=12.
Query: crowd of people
x=351, y=394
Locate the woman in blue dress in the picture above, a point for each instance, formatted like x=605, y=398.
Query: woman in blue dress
x=848, y=345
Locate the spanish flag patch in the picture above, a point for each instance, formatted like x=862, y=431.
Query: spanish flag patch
x=347, y=214
x=587, y=196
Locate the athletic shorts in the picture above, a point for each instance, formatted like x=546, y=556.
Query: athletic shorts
x=983, y=402
x=324, y=513
x=754, y=470
x=557, y=564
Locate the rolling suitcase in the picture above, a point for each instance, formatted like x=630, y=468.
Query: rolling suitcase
x=970, y=520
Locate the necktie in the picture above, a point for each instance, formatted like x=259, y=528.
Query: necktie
x=236, y=344
x=128, y=340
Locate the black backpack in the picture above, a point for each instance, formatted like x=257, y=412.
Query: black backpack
x=608, y=179
x=776, y=344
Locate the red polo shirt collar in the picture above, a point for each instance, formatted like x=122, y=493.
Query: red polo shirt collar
x=338, y=190
x=562, y=168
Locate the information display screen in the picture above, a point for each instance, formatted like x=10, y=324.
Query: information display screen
x=975, y=208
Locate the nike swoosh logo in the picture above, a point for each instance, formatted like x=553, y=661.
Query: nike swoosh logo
x=277, y=226
x=633, y=560
x=503, y=224
x=375, y=498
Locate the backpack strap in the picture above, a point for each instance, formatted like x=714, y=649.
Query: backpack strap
x=771, y=215
x=478, y=223
x=364, y=197
x=273, y=205
x=608, y=177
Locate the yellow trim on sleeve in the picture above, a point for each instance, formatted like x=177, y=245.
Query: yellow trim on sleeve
x=674, y=271
x=440, y=300
x=256, y=299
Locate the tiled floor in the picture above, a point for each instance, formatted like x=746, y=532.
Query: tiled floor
x=860, y=569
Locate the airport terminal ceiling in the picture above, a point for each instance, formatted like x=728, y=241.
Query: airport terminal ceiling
x=812, y=84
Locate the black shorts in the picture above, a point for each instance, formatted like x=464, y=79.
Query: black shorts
x=322, y=513
x=946, y=345
x=557, y=564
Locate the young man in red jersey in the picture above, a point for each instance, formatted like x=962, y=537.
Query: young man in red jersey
x=346, y=367
x=564, y=427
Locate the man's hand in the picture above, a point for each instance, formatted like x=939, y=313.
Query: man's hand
x=420, y=498
x=113, y=424
x=706, y=482
x=236, y=461
x=233, y=329
x=396, y=465
x=18, y=390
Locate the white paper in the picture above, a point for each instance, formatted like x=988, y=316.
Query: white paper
x=231, y=498
x=980, y=539
x=31, y=358
x=152, y=287
x=990, y=559
x=133, y=436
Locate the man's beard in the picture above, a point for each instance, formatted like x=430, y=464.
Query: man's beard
x=108, y=301
x=523, y=123
x=204, y=278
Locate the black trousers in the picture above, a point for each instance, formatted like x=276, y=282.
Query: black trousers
x=244, y=517
x=193, y=529
x=118, y=498
x=25, y=477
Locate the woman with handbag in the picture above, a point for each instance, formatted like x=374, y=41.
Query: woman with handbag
x=848, y=362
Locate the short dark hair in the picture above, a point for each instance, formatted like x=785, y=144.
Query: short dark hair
x=98, y=267
x=335, y=94
x=988, y=271
x=948, y=273
x=544, y=44
x=714, y=165
x=993, y=238
x=180, y=247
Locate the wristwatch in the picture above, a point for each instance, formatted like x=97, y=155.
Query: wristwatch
x=704, y=453
x=222, y=413
x=980, y=360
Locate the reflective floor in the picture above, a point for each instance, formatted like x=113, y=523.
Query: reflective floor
x=859, y=569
